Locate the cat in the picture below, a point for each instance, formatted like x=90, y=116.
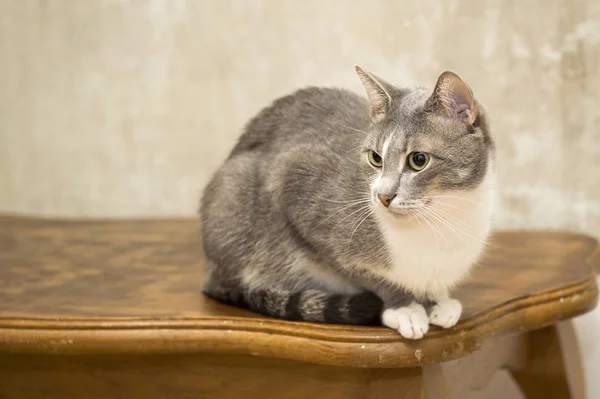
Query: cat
x=338, y=209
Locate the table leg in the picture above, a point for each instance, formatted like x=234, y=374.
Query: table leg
x=553, y=369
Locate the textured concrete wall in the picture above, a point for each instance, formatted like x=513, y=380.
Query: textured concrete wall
x=116, y=107
x=125, y=107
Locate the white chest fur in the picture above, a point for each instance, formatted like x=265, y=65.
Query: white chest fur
x=433, y=252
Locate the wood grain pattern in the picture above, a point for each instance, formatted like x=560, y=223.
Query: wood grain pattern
x=127, y=287
x=206, y=377
x=179, y=376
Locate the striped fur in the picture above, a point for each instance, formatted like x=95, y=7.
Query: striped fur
x=312, y=305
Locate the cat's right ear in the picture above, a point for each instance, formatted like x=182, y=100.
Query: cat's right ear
x=378, y=92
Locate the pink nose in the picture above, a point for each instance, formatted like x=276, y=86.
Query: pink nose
x=386, y=199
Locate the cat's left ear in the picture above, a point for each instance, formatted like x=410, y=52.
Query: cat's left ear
x=453, y=98
x=378, y=92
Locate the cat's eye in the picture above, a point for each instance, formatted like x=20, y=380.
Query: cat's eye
x=418, y=160
x=375, y=159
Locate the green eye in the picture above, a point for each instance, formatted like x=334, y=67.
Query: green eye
x=418, y=160
x=375, y=159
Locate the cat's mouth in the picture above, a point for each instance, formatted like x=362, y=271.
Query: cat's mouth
x=404, y=211
x=408, y=208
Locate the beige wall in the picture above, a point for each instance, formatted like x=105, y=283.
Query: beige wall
x=116, y=107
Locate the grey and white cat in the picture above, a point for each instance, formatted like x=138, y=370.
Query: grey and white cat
x=335, y=209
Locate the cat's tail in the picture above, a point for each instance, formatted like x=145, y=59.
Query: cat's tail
x=363, y=308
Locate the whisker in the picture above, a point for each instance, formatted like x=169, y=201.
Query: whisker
x=456, y=229
x=356, y=228
x=358, y=210
x=444, y=222
x=441, y=214
x=340, y=210
x=357, y=163
x=364, y=214
x=475, y=263
x=347, y=201
x=410, y=216
x=434, y=230
x=444, y=213
x=356, y=130
x=449, y=205
x=453, y=196
x=440, y=232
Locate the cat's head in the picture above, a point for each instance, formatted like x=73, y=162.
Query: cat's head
x=424, y=147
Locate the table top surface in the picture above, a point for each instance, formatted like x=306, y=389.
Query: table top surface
x=134, y=286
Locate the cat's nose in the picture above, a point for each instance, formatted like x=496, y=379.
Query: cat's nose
x=386, y=199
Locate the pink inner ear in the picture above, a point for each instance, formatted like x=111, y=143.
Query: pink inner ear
x=466, y=111
x=456, y=97
x=469, y=114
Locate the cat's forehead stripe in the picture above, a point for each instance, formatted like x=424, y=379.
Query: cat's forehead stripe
x=396, y=145
x=394, y=137
x=386, y=145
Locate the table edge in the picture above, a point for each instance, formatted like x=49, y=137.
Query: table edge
x=360, y=347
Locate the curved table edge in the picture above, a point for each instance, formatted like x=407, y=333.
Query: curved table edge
x=287, y=341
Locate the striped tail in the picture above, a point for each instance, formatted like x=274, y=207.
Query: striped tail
x=312, y=305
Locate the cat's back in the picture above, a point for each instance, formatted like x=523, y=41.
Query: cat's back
x=313, y=113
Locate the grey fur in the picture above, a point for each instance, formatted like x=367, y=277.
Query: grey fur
x=281, y=228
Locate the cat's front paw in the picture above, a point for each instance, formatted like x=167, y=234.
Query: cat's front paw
x=445, y=313
x=410, y=321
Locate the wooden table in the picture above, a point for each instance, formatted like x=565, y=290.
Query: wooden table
x=113, y=309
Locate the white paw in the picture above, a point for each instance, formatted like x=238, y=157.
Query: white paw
x=445, y=313
x=410, y=321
